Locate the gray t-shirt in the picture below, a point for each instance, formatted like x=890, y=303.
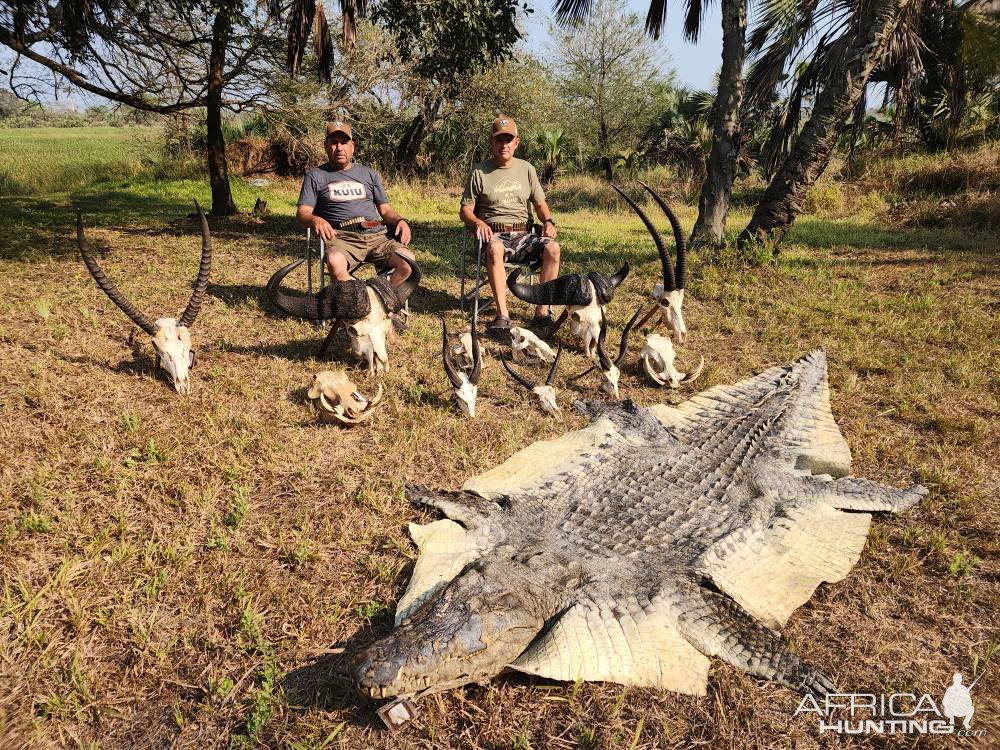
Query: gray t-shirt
x=500, y=195
x=341, y=194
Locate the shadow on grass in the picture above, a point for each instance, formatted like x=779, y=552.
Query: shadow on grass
x=828, y=233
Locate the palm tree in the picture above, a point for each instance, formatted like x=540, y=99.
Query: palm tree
x=713, y=205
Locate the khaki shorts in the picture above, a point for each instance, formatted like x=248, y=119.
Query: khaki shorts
x=364, y=247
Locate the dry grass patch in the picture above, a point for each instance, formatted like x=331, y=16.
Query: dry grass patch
x=182, y=572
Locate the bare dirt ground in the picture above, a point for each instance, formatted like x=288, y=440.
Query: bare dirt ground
x=182, y=572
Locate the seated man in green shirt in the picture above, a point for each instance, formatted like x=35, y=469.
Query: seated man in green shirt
x=495, y=206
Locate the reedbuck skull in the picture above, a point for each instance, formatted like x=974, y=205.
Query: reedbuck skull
x=668, y=297
x=658, y=361
x=171, y=337
x=464, y=387
x=528, y=349
x=546, y=394
x=364, y=306
x=610, y=371
x=338, y=400
x=583, y=296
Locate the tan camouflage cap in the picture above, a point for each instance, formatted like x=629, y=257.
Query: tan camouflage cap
x=504, y=124
x=338, y=126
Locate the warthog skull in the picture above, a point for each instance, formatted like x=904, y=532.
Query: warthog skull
x=658, y=361
x=464, y=387
x=583, y=295
x=528, y=349
x=364, y=306
x=338, y=400
x=610, y=372
x=668, y=296
x=171, y=337
x=545, y=394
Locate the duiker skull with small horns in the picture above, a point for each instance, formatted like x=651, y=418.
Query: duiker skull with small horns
x=171, y=337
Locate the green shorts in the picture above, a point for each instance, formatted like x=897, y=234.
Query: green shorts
x=364, y=247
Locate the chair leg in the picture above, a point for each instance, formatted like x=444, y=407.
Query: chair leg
x=309, y=261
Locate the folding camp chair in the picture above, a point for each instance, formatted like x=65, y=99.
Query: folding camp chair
x=470, y=243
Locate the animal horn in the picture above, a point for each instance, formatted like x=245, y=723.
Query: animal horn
x=653, y=374
x=619, y=277
x=520, y=379
x=681, y=273
x=477, y=357
x=404, y=290
x=201, y=284
x=602, y=357
x=692, y=376
x=106, y=284
x=449, y=368
x=570, y=289
x=527, y=292
x=555, y=365
x=623, y=346
x=308, y=307
x=661, y=248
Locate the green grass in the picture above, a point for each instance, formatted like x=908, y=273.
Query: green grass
x=185, y=571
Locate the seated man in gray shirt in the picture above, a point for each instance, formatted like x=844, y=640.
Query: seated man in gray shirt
x=346, y=204
x=495, y=207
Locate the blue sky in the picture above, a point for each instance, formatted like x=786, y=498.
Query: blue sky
x=696, y=64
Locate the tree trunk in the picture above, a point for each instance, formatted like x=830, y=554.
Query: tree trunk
x=218, y=170
x=713, y=205
x=414, y=135
x=782, y=201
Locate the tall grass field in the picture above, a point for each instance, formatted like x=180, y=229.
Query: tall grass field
x=188, y=572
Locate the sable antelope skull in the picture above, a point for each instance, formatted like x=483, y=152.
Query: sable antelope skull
x=668, y=297
x=610, y=371
x=658, y=361
x=171, y=337
x=338, y=400
x=364, y=306
x=464, y=387
x=583, y=295
x=546, y=394
x=528, y=349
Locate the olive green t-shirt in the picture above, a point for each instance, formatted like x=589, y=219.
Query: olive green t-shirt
x=500, y=195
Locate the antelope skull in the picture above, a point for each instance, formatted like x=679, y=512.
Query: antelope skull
x=610, y=372
x=464, y=387
x=583, y=296
x=171, y=337
x=658, y=361
x=668, y=297
x=461, y=351
x=363, y=306
x=546, y=394
x=338, y=400
x=528, y=349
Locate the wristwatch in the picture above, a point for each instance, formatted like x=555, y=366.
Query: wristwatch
x=551, y=221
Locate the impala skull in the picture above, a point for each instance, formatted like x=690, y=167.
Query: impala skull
x=338, y=400
x=464, y=386
x=610, y=372
x=668, y=296
x=583, y=295
x=658, y=355
x=363, y=306
x=528, y=349
x=546, y=393
x=171, y=337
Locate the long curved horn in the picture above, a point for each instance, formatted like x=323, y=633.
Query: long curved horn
x=477, y=357
x=555, y=365
x=204, y=269
x=308, y=307
x=408, y=287
x=681, y=272
x=523, y=381
x=602, y=357
x=623, y=346
x=106, y=284
x=661, y=247
x=449, y=368
x=571, y=289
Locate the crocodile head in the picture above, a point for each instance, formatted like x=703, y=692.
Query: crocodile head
x=476, y=626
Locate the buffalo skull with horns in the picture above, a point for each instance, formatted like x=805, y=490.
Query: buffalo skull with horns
x=668, y=297
x=364, y=306
x=464, y=386
x=610, y=371
x=171, y=337
x=583, y=295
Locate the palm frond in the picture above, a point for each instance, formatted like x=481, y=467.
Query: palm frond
x=656, y=17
